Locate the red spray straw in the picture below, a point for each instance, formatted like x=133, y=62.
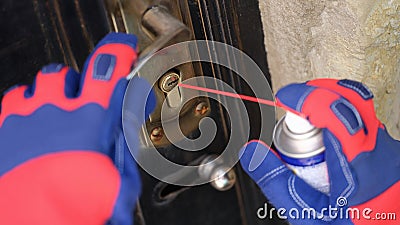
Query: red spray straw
x=229, y=94
x=239, y=96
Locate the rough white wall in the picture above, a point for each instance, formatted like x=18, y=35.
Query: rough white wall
x=356, y=39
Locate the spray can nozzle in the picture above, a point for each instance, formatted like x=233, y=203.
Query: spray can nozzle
x=297, y=124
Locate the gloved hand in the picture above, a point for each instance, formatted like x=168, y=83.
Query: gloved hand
x=363, y=160
x=63, y=156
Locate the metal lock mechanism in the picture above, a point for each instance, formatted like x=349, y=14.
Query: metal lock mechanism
x=157, y=24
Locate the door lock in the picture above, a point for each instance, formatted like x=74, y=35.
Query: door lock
x=158, y=24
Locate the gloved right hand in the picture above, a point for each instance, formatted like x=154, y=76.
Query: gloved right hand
x=363, y=160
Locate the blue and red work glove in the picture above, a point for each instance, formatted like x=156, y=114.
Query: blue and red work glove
x=363, y=160
x=63, y=156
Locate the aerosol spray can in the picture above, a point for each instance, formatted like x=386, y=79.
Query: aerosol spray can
x=301, y=146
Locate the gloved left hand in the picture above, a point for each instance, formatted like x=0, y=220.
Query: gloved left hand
x=63, y=156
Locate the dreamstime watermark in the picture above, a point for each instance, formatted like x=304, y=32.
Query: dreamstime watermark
x=327, y=213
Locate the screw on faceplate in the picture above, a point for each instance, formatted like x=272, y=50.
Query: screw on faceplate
x=169, y=81
x=201, y=108
x=156, y=134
